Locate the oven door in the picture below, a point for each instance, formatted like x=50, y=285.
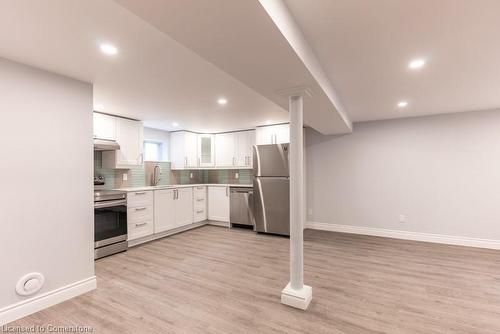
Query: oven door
x=110, y=222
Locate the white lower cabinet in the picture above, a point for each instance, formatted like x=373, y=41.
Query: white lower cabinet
x=218, y=203
x=184, y=207
x=172, y=208
x=200, y=204
x=140, y=215
x=164, y=208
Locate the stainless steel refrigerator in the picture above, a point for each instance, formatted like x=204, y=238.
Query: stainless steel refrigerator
x=271, y=187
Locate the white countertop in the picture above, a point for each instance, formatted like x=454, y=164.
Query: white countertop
x=174, y=186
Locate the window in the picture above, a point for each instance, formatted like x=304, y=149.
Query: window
x=152, y=151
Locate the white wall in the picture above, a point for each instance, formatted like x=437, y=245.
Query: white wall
x=46, y=202
x=442, y=172
x=161, y=137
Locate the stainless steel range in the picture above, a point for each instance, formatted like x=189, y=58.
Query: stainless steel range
x=110, y=220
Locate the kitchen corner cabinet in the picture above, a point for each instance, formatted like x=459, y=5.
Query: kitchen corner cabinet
x=272, y=134
x=104, y=126
x=184, y=150
x=130, y=137
x=218, y=203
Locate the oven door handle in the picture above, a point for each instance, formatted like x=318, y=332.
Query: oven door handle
x=109, y=204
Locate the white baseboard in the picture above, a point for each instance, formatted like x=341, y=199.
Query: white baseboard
x=45, y=300
x=406, y=235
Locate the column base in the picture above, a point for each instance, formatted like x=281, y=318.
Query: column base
x=296, y=298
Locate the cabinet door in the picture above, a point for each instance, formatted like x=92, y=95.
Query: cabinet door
x=104, y=126
x=264, y=135
x=282, y=133
x=246, y=140
x=184, y=207
x=191, y=149
x=225, y=149
x=206, y=150
x=164, y=210
x=218, y=204
x=129, y=134
x=177, y=150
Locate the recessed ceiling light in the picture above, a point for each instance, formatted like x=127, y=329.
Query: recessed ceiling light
x=175, y=124
x=416, y=64
x=402, y=104
x=99, y=107
x=222, y=101
x=109, y=49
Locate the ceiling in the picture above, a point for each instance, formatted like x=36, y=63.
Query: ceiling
x=152, y=78
x=365, y=46
x=242, y=39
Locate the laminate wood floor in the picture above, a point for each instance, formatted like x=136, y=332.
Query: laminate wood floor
x=218, y=280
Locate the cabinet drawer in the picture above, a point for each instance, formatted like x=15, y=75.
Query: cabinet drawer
x=140, y=228
x=200, y=192
x=200, y=215
x=139, y=198
x=140, y=213
x=200, y=203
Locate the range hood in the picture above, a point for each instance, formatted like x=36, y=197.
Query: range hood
x=105, y=145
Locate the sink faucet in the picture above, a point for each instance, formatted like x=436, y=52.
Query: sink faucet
x=156, y=175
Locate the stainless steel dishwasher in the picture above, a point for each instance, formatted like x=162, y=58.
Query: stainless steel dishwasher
x=241, y=206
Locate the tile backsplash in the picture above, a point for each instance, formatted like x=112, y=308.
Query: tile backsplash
x=142, y=176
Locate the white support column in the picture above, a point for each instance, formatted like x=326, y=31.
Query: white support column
x=296, y=294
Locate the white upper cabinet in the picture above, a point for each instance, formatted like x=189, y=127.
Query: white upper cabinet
x=273, y=134
x=246, y=140
x=184, y=150
x=104, y=126
x=225, y=149
x=130, y=137
x=206, y=150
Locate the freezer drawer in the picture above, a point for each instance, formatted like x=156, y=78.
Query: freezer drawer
x=272, y=205
x=241, y=206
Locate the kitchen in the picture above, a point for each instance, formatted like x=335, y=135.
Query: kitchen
x=207, y=179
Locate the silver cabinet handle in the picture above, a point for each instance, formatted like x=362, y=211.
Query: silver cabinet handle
x=140, y=209
x=200, y=187
x=142, y=158
x=141, y=193
x=199, y=162
x=176, y=193
x=199, y=211
x=185, y=161
x=200, y=199
x=140, y=224
x=227, y=191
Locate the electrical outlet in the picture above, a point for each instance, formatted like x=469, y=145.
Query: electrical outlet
x=236, y=175
x=402, y=219
x=124, y=176
x=190, y=175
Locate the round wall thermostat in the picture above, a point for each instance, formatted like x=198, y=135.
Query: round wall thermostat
x=29, y=284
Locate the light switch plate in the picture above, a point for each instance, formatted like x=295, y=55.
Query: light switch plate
x=236, y=175
x=125, y=176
